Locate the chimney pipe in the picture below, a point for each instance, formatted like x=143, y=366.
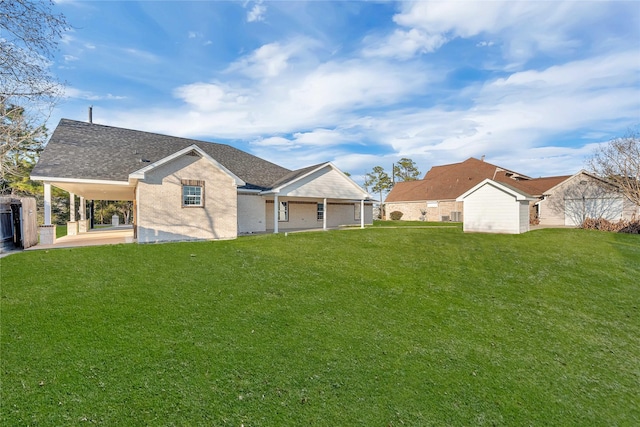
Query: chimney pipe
x=91, y=114
x=482, y=158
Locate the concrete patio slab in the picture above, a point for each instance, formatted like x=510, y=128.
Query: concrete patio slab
x=96, y=237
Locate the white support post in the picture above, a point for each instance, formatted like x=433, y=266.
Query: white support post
x=83, y=209
x=72, y=225
x=324, y=214
x=361, y=213
x=72, y=207
x=276, y=211
x=47, y=230
x=47, y=203
x=82, y=224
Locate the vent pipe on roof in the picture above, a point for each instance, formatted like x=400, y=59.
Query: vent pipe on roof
x=482, y=158
x=91, y=114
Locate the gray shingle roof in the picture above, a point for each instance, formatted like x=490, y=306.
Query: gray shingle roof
x=89, y=151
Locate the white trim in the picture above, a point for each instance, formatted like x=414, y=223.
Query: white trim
x=519, y=195
x=140, y=173
x=77, y=180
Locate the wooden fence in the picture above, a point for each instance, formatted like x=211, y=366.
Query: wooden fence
x=18, y=223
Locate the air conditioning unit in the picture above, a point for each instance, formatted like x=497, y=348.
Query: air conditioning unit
x=456, y=216
x=445, y=218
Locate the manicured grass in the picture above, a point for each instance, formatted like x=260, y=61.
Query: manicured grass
x=389, y=223
x=61, y=231
x=375, y=327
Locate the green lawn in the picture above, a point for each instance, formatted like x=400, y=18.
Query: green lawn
x=375, y=327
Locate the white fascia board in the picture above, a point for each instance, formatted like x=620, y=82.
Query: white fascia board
x=322, y=166
x=140, y=173
x=77, y=180
x=516, y=193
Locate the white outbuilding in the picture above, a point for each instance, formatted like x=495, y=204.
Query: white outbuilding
x=495, y=207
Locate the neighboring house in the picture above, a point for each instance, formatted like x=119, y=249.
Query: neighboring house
x=582, y=196
x=183, y=189
x=496, y=207
x=435, y=197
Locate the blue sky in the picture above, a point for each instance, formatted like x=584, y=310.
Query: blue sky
x=534, y=86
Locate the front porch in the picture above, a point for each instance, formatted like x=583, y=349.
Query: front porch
x=96, y=237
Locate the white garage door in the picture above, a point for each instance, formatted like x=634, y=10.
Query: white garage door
x=576, y=210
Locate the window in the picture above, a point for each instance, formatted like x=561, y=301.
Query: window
x=320, y=211
x=356, y=211
x=192, y=193
x=283, y=211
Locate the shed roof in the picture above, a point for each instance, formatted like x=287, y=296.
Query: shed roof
x=80, y=150
x=505, y=187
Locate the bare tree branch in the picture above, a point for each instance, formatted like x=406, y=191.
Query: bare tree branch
x=618, y=161
x=29, y=35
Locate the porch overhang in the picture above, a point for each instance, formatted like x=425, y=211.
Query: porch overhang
x=93, y=189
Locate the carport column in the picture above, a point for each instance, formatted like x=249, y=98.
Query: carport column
x=82, y=224
x=47, y=231
x=275, y=213
x=361, y=213
x=47, y=203
x=72, y=225
x=324, y=214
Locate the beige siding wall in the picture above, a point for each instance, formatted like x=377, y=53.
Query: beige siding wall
x=303, y=214
x=161, y=216
x=251, y=213
x=328, y=183
x=524, y=216
x=411, y=211
x=491, y=210
x=435, y=209
x=446, y=208
x=564, y=205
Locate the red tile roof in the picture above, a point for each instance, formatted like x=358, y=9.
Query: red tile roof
x=447, y=182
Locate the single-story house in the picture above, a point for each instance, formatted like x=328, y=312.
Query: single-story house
x=583, y=196
x=184, y=189
x=496, y=207
x=436, y=197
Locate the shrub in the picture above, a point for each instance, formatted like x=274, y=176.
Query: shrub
x=395, y=215
x=622, y=226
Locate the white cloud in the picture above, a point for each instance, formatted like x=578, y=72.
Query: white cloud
x=524, y=28
x=257, y=12
x=404, y=44
x=267, y=61
x=299, y=101
x=70, y=92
